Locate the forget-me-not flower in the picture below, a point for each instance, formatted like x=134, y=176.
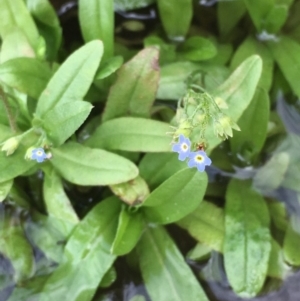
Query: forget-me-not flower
x=182, y=147
x=39, y=155
x=198, y=159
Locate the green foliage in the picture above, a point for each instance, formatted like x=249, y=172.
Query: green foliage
x=88, y=129
x=159, y=255
x=130, y=228
x=206, y=224
x=167, y=203
x=97, y=22
x=48, y=25
x=86, y=166
x=72, y=80
x=247, y=242
x=68, y=116
x=27, y=75
x=171, y=12
x=131, y=134
x=134, y=91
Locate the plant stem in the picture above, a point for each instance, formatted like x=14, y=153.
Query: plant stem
x=10, y=117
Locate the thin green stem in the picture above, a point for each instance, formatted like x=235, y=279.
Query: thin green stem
x=10, y=117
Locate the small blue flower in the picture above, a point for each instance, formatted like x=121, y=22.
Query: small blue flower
x=198, y=159
x=39, y=155
x=182, y=147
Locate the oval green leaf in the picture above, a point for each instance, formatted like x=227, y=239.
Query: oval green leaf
x=135, y=88
x=157, y=168
x=64, y=119
x=176, y=197
x=247, y=243
x=130, y=228
x=166, y=275
x=206, y=225
x=292, y=242
x=176, y=16
x=56, y=201
x=73, y=79
x=96, y=19
x=131, y=134
x=87, y=257
x=85, y=166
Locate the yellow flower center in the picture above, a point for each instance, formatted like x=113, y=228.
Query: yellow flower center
x=184, y=147
x=39, y=153
x=199, y=158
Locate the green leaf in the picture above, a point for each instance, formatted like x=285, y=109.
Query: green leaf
x=73, y=79
x=15, y=44
x=15, y=246
x=258, y=11
x=85, y=166
x=206, y=225
x=176, y=197
x=199, y=252
x=131, y=134
x=254, y=125
x=130, y=228
x=166, y=275
x=234, y=9
x=48, y=25
x=135, y=88
x=5, y=189
x=123, y=5
x=28, y=75
x=286, y=53
x=64, y=119
x=109, y=277
x=249, y=47
x=237, y=91
x=172, y=83
x=198, y=49
x=276, y=18
x=292, y=242
x=87, y=256
x=279, y=215
x=171, y=12
x=14, y=165
x=157, y=168
x=15, y=15
x=96, y=19
x=109, y=66
x=247, y=243
x=57, y=203
x=277, y=267
x=241, y=85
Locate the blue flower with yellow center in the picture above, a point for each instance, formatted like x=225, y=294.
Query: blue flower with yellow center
x=198, y=159
x=182, y=147
x=39, y=155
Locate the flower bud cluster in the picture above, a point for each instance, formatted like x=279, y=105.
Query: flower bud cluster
x=197, y=111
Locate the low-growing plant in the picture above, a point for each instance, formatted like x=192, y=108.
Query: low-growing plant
x=110, y=147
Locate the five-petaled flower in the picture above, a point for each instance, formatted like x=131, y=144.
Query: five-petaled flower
x=182, y=147
x=198, y=159
x=39, y=155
